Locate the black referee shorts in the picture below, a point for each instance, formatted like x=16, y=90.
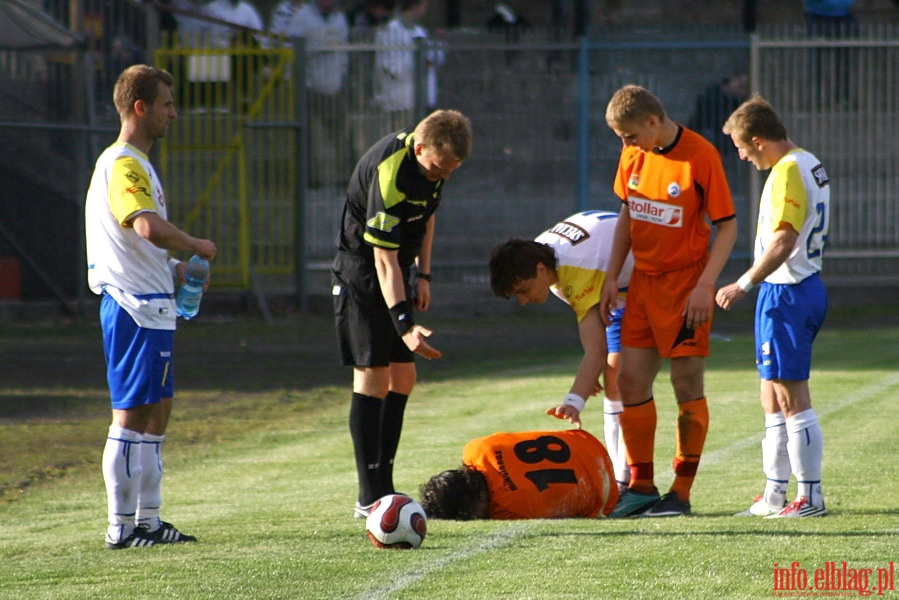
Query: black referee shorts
x=365, y=333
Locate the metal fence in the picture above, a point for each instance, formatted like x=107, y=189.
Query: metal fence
x=840, y=99
x=262, y=167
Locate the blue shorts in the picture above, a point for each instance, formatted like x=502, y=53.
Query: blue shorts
x=138, y=360
x=613, y=331
x=787, y=319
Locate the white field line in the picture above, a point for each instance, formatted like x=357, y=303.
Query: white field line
x=498, y=539
x=505, y=535
x=874, y=389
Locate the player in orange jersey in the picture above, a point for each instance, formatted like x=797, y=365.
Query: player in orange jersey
x=672, y=184
x=525, y=475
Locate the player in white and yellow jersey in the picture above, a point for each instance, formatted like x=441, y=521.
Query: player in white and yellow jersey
x=128, y=241
x=570, y=259
x=794, y=217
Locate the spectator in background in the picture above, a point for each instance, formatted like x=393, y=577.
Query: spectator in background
x=831, y=67
x=370, y=14
x=247, y=23
x=713, y=107
x=829, y=18
x=505, y=19
x=282, y=14
x=124, y=53
x=395, y=67
x=241, y=13
x=194, y=75
x=191, y=30
x=325, y=29
x=366, y=19
x=168, y=24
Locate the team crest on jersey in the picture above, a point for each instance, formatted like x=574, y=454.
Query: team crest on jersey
x=571, y=232
x=655, y=212
x=634, y=181
x=673, y=189
x=383, y=222
x=820, y=176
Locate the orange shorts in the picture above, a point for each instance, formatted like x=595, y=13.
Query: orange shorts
x=654, y=316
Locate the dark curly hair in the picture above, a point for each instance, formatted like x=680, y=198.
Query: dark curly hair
x=454, y=494
x=516, y=260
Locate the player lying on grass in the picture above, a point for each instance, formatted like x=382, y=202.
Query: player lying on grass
x=525, y=475
x=569, y=259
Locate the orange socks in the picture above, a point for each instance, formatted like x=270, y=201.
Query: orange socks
x=638, y=426
x=692, y=426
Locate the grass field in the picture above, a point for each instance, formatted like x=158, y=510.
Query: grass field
x=259, y=467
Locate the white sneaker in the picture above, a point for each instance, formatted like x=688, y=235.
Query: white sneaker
x=761, y=508
x=800, y=507
x=361, y=511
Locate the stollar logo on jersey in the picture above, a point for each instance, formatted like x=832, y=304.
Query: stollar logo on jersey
x=571, y=232
x=383, y=222
x=655, y=212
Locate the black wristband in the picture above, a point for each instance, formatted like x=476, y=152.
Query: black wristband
x=425, y=276
x=401, y=315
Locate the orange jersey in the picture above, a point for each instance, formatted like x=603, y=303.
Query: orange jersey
x=669, y=195
x=544, y=474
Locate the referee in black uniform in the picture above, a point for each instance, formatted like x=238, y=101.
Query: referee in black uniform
x=387, y=226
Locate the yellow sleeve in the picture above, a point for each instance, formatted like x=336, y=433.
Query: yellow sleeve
x=129, y=189
x=789, y=201
x=582, y=287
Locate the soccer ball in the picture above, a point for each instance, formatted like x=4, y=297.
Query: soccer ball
x=396, y=521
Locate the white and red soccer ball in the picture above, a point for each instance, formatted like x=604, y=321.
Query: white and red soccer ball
x=396, y=521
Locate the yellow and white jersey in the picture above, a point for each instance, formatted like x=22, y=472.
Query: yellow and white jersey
x=797, y=192
x=119, y=261
x=583, y=245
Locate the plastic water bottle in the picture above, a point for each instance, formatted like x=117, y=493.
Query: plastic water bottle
x=187, y=302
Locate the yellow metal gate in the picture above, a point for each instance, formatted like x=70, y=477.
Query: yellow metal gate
x=228, y=162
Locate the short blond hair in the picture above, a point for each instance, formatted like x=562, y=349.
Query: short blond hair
x=755, y=118
x=633, y=103
x=446, y=132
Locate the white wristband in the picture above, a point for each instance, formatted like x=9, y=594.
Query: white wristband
x=745, y=282
x=574, y=401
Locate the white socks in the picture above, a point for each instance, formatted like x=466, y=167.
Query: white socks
x=132, y=472
x=612, y=410
x=121, y=473
x=775, y=459
x=805, y=444
x=793, y=445
x=150, y=497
